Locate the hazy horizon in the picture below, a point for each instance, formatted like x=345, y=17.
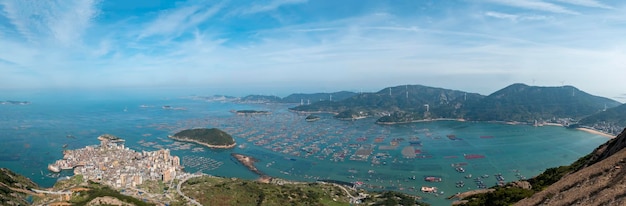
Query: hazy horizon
x=279, y=47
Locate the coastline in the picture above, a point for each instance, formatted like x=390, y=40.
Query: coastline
x=421, y=120
x=202, y=143
x=593, y=131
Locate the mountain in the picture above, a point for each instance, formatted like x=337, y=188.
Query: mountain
x=609, y=121
x=307, y=98
x=415, y=100
x=14, y=188
x=520, y=102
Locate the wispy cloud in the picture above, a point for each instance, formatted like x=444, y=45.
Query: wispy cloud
x=587, y=3
x=176, y=21
x=536, y=5
x=515, y=17
x=62, y=21
x=272, y=5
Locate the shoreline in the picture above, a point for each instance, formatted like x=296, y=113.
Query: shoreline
x=593, y=131
x=421, y=120
x=202, y=143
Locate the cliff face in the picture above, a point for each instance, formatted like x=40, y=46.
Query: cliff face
x=14, y=188
x=602, y=181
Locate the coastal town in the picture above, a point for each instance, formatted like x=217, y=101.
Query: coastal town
x=115, y=165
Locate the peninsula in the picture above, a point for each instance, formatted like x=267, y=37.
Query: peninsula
x=212, y=138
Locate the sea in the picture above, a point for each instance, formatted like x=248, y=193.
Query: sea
x=463, y=155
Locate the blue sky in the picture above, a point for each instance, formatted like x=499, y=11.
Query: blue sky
x=285, y=46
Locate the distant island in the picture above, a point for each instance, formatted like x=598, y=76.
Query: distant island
x=312, y=118
x=247, y=112
x=15, y=102
x=212, y=138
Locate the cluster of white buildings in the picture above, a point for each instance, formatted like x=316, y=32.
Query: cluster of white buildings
x=113, y=164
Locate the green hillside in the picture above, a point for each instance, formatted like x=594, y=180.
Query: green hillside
x=211, y=136
x=520, y=102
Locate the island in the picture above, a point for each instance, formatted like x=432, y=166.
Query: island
x=312, y=118
x=212, y=138
x=250, y=112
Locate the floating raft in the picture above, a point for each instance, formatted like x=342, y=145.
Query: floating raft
x=473, y=156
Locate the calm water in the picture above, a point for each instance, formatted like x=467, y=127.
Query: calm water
x=33, y=136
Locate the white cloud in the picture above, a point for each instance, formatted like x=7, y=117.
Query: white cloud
x=62, y=21
x=535, y=5
x=274, y=4
x=501, y=15
x=587, y=3
x=515, y=17
x=179, y=20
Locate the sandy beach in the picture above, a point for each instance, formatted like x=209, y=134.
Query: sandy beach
x=592, y=131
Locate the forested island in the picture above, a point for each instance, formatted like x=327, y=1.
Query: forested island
x=249, y=112
x=212, y=138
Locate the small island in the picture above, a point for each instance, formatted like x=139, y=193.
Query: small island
x=312, y=118
x=212, y=138
x=250, y=112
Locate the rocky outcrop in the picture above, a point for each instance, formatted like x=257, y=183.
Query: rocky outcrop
x=602, y=181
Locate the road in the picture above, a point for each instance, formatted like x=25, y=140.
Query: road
x=183, y=195
x=51, y=192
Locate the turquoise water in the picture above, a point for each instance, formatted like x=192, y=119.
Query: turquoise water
x=288, y=147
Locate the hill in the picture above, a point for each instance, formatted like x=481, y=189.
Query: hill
x=308, y=98
x=517, y=102
x=14, y=188
x=523, y=103
x=610, y=121
x=416, y=100
x=260, y=99
x=213, y=138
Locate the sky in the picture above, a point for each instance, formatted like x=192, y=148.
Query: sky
x=290, y=46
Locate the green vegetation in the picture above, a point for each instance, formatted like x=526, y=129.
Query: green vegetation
x=399, y=117
x=97, y=190
x=613, y=120
x=523, y=103
x=502, y=196
x=349, y=115
x=222, y=191
x=211, y=136
x=392, y=198
x=10, y=186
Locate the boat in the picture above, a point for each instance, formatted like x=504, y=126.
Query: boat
x=432, y=179
x=64, y=145
x=429, y=189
